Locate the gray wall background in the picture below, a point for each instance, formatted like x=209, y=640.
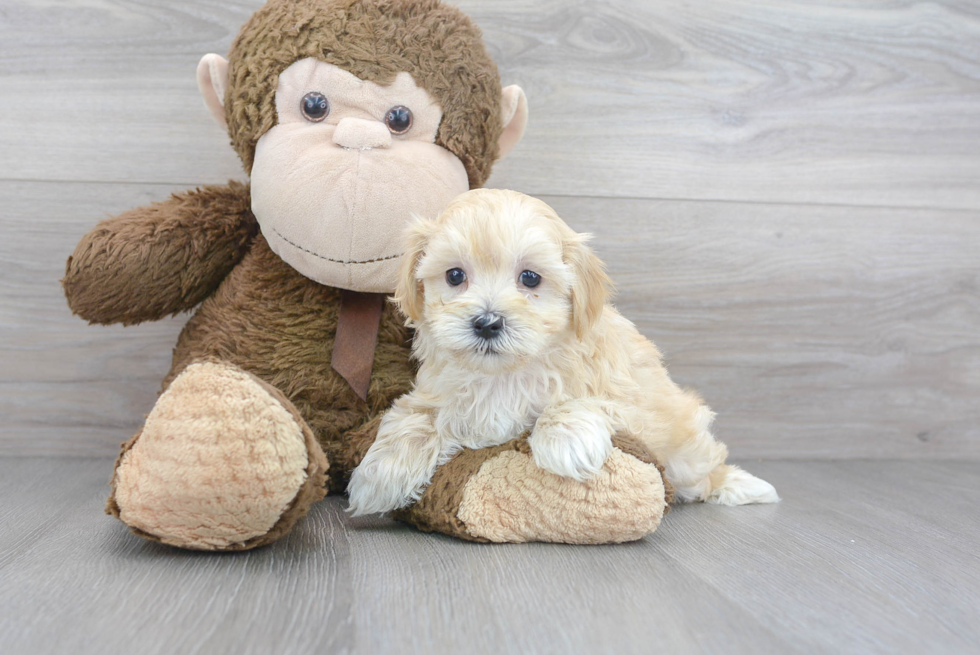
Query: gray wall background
x=787, y=194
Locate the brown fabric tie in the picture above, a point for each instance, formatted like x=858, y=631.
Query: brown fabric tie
x=357, y=337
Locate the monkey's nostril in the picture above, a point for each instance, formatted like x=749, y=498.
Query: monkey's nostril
x=488, y=326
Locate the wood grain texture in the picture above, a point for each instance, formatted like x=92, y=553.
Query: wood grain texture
x=870, y=103
x=812, y=331
x=859, y=557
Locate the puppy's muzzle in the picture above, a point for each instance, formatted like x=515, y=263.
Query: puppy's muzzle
x=488, y=326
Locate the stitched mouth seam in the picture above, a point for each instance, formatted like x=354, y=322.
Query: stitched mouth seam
x=329, y=259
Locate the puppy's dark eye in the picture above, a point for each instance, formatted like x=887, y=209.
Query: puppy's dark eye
x=530, y=279
x=455, y=277
x=314, y=106
x=399, y=119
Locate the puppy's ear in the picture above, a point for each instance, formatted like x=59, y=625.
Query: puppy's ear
x=409, y=293
x=592, y=285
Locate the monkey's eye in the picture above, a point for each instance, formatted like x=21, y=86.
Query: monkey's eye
x=530, y=279
x=455, y=277
x=314, y=106
x=399, y=119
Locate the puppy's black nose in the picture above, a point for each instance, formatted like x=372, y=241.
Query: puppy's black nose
x=488, y=326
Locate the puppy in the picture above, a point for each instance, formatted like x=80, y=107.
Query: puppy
x=513, y=333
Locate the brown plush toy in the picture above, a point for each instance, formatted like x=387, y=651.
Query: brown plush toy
x=350, y=116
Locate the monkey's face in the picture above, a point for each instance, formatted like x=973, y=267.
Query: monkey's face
x=348, y=163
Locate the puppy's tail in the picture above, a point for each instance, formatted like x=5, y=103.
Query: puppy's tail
x=731, y=485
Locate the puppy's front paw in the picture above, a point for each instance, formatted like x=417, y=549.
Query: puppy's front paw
x=572, y=444
x=399, y=464
x=371, y=493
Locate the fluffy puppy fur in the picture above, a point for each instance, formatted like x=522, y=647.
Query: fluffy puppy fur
x=559, y=361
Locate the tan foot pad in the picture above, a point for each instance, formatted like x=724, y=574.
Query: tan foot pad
x=500, y=495
x=223, y=462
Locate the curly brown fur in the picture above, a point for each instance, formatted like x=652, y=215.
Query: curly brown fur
x=271, y=321
x=347, y=453
x=165, y=258
x=375, y=40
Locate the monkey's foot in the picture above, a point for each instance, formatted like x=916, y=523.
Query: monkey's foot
x=223, y=462
x=498, y=494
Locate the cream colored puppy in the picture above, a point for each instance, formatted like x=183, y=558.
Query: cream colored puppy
x=514, y=333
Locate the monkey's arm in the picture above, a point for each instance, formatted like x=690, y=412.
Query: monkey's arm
x=153, y=261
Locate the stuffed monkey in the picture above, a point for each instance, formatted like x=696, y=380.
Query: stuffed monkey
x=349, y=116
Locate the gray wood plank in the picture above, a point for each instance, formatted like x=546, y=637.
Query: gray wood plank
x=872, y=103
x=842, y=560
x=39, y=494
x=99, y=589
x=813, y=331
x=845, y=564
x=540, y=598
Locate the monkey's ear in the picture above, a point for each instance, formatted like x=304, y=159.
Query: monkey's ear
x=513, y=109
x=409, y=292
x=592, y=285
x=212, y=80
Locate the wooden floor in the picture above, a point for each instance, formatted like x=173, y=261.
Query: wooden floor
x=787, y=193
x=860, y=557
